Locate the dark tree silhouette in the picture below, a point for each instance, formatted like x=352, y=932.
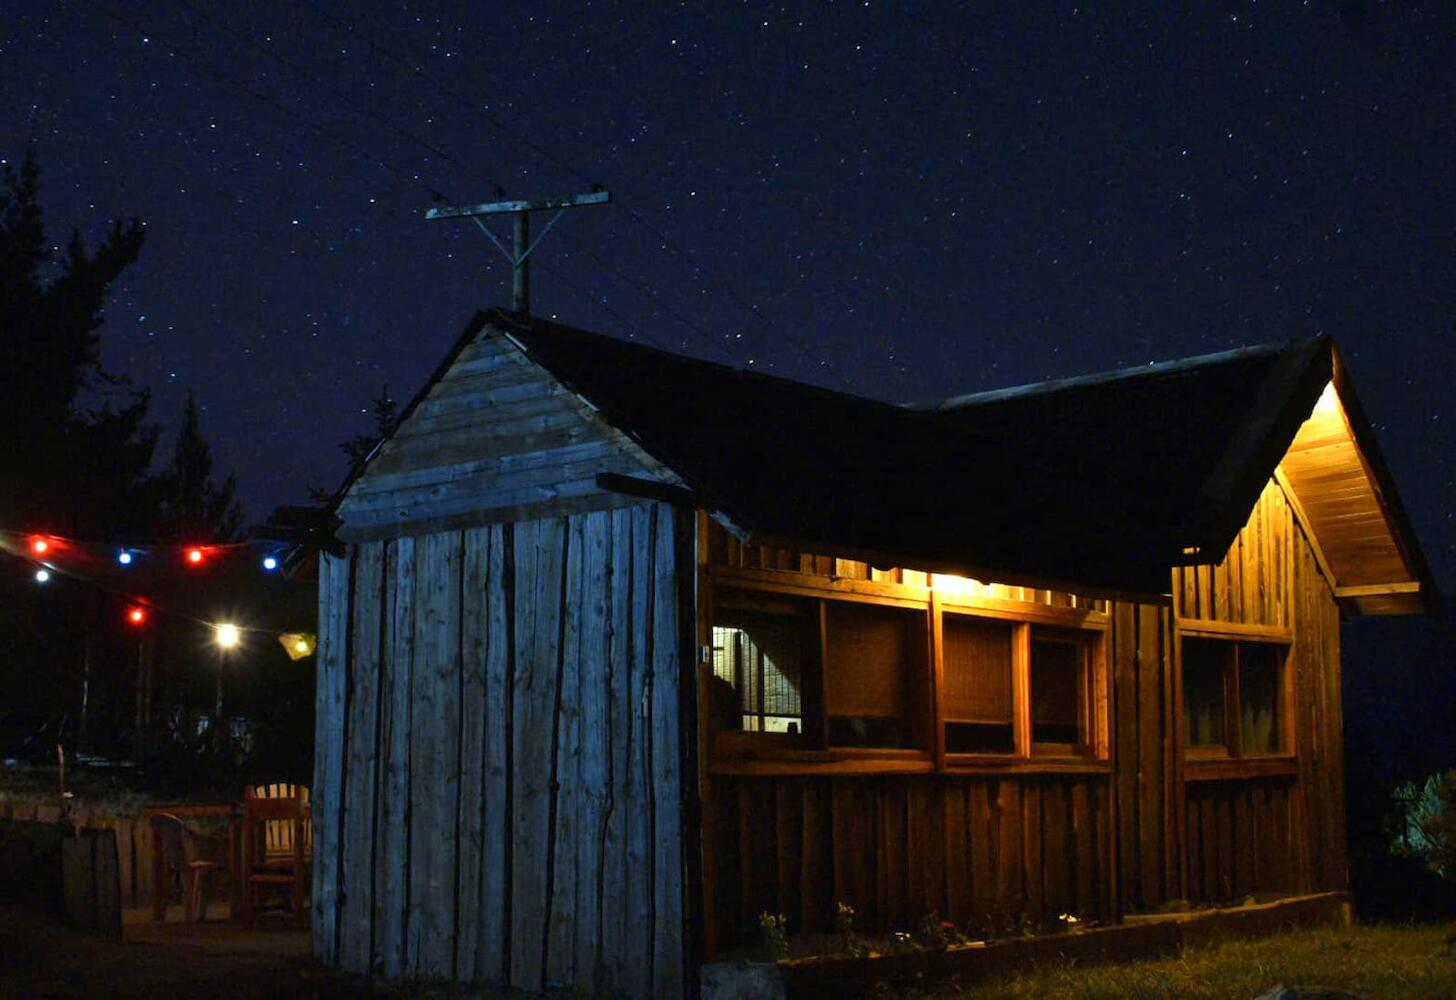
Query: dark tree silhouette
x=78, y=443
x=386, y=418
x=194, y=507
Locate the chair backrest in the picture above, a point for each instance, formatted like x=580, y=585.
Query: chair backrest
x=172, y=834
x=282, y=810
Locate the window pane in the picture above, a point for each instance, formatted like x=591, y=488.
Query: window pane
x=977, y=680
x=1057, y=697
x=1259, y=665
x=1204, y=663
x=759, y=659
x=871, y=656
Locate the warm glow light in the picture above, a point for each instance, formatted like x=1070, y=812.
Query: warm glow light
x=39, y=546
x=228, y=635
x=297, y=644
x=948, y=583
x=136, y=616
x=42, y=575
x=194, y=556
x=1329, y=401
x=124, y=557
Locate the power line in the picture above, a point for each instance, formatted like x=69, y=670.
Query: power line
x=232, y=81
x=500, y=125
x=361, y=152
x=443, y=155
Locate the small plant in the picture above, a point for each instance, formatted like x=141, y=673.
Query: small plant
x=849, y=942
x=775, y=930
x=1020, y=925
x=936, y=934
x=1070, y=922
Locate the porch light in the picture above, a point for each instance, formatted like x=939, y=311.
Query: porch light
x=227, y=634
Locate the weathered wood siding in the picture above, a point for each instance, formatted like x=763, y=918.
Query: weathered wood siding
x=983, y=848
x=984, y=851
x=495, y=439
x=1272, y=833
x=498, y=791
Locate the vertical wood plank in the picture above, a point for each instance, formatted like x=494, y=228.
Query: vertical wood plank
x=616, y=959
x=596, y=742
x=668, y=967
x=434, y=756
x=565, y=772
x=334, y=593
x=493, y=952
x=392, y=884
x=540, y=548
x=474, y=641
x=640, y=932
x=356, y=909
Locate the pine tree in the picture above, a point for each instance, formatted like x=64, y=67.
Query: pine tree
x=194, y=507
x=78, y=444
x=360, y=446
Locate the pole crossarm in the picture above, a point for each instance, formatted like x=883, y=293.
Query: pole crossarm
x=520, y=205
x=521, y=245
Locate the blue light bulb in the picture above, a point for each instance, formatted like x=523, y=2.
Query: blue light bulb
x=124, y=557
x=270, y=563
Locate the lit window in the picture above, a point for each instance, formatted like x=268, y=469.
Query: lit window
x=761, y=648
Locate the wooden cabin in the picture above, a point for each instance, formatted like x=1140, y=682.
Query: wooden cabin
x=627, y=648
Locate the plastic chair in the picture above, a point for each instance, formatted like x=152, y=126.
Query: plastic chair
x=180, y=855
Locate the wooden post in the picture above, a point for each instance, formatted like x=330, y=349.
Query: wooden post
x=520, y=253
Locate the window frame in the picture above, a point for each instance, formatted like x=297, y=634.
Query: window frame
x=758, y=753
x=1228, y=759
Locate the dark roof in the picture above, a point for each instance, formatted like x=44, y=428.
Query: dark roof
x=1094, y=483
x=1179, y=450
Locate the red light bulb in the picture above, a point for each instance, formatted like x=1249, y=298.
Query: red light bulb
x=194, y=556
x=137, y=616
x=39, y=546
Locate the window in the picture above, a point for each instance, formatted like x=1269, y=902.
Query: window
x=874, y=665
x=762, y=649
x=791, y=670
x=1233, y=697
x=863, y=685
x=976, y=696
x=1061, y=681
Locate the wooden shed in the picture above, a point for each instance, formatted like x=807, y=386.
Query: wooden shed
x=626, y=648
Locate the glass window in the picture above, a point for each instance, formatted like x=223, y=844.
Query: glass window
x=1059, y=696
x=762, y=649
x=873, y=659
x=977, y=703
x=1221, y=673
x=1259, y=667
x=1205, y=663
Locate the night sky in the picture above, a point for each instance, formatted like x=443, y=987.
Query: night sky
x=905, y=201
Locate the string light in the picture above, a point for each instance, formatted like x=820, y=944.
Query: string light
x=228, y=635
x=39, y=546
x=137, y=616
x=194, y=556
x=124, y=557
x=42, y=575
x=270, y=563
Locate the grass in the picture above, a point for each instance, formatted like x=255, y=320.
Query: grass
x=1397, y=962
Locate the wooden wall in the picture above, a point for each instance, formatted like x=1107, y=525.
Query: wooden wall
x=498, y=786
x=1272, y=833
x=981, y=848
x=981, y=851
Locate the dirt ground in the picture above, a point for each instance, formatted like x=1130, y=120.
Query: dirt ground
x=41, y=958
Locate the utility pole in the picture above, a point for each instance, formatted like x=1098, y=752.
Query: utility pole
x=520, y=253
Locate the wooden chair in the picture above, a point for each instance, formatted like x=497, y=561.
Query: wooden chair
x=180, y=853
x=277, y=846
